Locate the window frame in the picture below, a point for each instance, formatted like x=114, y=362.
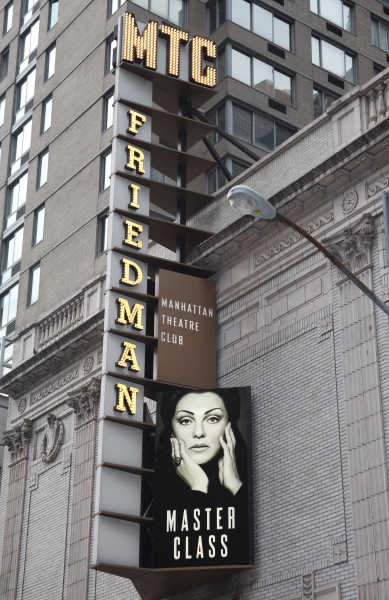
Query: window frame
x=103, y=159
x=379, y=23
x=102, y=233
x=182, y=25
x=28, y=14
x=349, y=5
x=10, y=6
x=274, y=70
x=321, y=40
x=5, y=255
x=214, y=137
x=32, y=270
x=258, y=114
x=37, y=212
x=18, y=89
x=218, y=22
x=5, y=326
x=9, y=198
x=41, y=158
x=49, y=53
x=49, y=25
x=4, y=63
x=111, y=45
x=2, y=109
x=24, y=156
x=45, y=102
x=23, y=63
x=323, y=92
x=106, y=107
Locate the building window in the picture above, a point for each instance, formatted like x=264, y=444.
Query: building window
x=262, y=76
x=115, y=4
x=171, y=10
x=16, y=199
x=336, y=11
x=4, y=59
x=218, y=117
x=47, y=108
x=262, y=22
x=29, y=8
x=24, y=95
x=53, y=18
x=102, y=233
x=380, y=35
x=39, y=222
x=43, y=167
x=28, y=46
x=111, y=47
x=11, y=255
x=33, y=288
x=158, y=176
x=2, y=110
x=215, y=180
x=8, y=307
x=216, y=14
x=333, y=59
x=105, y=171
x=377, y=69
x=20, y=147
x=50, y=62
x=108, y=111
x=321, y=101
x=221, y=65
x=8, y=15
x=258, y=130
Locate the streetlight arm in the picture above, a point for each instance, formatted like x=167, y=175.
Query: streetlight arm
x=335, y=261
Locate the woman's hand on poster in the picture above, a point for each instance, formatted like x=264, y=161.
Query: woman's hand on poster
x=186, y=468
x=228, y=472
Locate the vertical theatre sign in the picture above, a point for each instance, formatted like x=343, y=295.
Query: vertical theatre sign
x=160, y=324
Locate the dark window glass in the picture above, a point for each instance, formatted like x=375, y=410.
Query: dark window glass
x=321, y=101
x=216, y=14
x=243, y=124
x=264, y=133
x=102, y=233
x=237, y=169
x=4, y=59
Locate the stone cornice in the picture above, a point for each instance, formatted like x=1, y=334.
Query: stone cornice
x=53, y=358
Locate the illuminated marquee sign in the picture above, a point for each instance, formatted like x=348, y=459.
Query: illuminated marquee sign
x=160, y=315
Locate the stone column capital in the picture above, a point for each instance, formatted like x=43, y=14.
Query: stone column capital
x=83, y=402
x=353, y=246
x=17, y=440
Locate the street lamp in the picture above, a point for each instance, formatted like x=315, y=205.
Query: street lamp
x=249, y=202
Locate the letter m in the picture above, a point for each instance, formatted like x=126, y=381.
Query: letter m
x=171, y=520
x=136, y=46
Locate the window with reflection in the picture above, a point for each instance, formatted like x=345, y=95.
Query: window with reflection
x=336, y=11
x=33, y=288
x=47, y=110
x=53, y=15
x=258, y=130
x=333, y=59
x=216, y=14
x=262, y=22
x=170, y=10
x=24, y=95
x=8, y=307
x=111, y=47
x=262, y=76
x=50, y=62
x=380, y=34
x=11, y=255
x=8, y=16
x=20, y=146
x=28, y=46
x=4, y=61
x=16, y=200
x=2, y=110
x=108, y=111
x=43, y=168
x=158, y=176
x=105, y=180
x=29, y=8
x=321, y=101
x=218, y=117
x=39, y=223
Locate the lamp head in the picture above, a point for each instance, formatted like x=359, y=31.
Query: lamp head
x=248, y=202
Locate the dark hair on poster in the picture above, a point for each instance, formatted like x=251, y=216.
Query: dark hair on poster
x=201, y=479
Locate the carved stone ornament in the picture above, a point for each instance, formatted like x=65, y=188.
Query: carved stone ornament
x=325, y=325
x=83, y=401
x=377, y=186
x=349, y=202
x=340, y=552
x=366, y=161
x=17, y=440
x=88, y=364
x=307, y=584
x=22, y=405
x=52, y=438
x=355, y=249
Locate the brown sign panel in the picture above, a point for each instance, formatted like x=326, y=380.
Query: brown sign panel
x=186, y=330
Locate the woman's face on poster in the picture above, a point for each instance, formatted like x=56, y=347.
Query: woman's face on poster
x=199, y=421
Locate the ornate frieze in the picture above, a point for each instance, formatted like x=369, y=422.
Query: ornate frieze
x=354, y=250
x=83, y=402
x=17, y=440
x=52, y=438
x=54, y=385
x=377, y=186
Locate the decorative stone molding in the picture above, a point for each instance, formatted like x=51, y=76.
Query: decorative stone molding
x=60, y=322
x=340, y=552
x=355, y=249
x=17, y=440
x=213, y=259
x=349, y=202
x=52, y=438
x=377, y=186
x=366, y=161
x=318, y=192
x=83, y=402
x=253, y=234
x=295, y=207
x=307, y=585
x=292, y=238
x=54, y=385
x=232, y=247
x=342, y=176
x=88, y=364
x=325, y=325
x=22, y=404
